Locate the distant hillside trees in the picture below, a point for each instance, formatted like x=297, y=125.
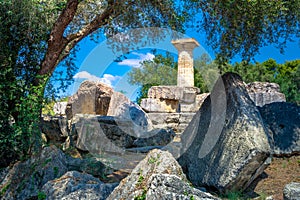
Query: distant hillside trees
x=287, y=75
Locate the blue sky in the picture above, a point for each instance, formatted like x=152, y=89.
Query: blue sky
x=95, y=61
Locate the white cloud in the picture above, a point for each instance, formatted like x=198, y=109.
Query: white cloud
x=86, y=75
x=137, y=61
x=107, y=78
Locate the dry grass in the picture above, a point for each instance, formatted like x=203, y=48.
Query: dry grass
x=280, y=172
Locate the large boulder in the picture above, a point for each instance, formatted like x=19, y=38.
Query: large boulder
x=25, y=179
x=77, y=186
x=120, y=106
x=91, y=98
x=100, y=99
x=226, y=145
x=263, y=93
x=106, y=132
x=283, y=122
x=158, y=176
x=96, y=132
x=88, y=165
x=291, y=191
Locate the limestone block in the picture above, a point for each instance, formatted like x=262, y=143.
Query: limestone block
x=165, y=92
x=183, y=94
x=162, y=178
x=91, y=98
x=194, y=107
x=165, y=120
x=161, y=118
x=59, y=108
x=263, y=93
x=186, y=118
x=159, y=105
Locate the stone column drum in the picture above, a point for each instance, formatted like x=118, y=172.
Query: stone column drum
x=185, y=47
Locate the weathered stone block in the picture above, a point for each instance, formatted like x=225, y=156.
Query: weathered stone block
x=159, y=105
x=263, y=93
x=194, y=107
x=158, y=176
x=91, y=98
x=183, y=94
x=59, y=108
x=226, y=145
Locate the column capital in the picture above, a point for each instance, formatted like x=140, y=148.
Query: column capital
x=185, y=44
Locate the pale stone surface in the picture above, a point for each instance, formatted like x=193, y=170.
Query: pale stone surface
x=263, y=93
x=77, y=186
x=183, y=94
x=291, y=191
x=25, y=179
x=177, y=121
x=194, y=107
x=59, y=108
x=226, y=145
x=90, y=98
x=158, y=176
x=120, y=106
x=185, y=47
x=159, y=105
x=115, y=104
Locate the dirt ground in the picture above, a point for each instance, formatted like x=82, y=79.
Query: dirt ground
x=280, y=172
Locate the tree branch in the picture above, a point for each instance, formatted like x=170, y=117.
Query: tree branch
x=57, y=42
x=99, y=21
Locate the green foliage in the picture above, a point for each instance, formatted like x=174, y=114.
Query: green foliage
x=41, y=195
x=236, y=27
x=142, y=196
x=140, y=180
x=162, y=70
x=287, y=75
x=48, y=105
x=153, y=160
x=234, y=195
x=23, y=29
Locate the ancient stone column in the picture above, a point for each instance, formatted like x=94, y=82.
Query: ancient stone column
x=185, y=47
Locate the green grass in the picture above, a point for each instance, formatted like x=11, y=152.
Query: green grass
x=142, y=196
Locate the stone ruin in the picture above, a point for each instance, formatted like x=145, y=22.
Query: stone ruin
x=263, y=93
x=175, y=106
x=171, y=106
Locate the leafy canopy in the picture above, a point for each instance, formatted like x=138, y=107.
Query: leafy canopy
x=241, y=27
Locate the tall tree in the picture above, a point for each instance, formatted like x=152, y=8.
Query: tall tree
x=37, y=35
